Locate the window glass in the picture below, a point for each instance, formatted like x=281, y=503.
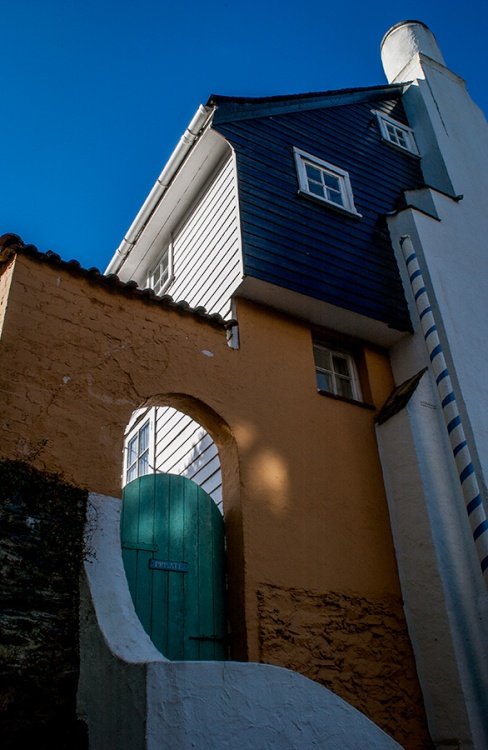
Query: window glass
x=335, y=372
x=161, y=275
x=138, y=454
x=144, y=438
x=132, y=451
x=397, y=133
x=324, y=181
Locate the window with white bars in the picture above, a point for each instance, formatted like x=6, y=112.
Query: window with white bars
x=325, y=182
x=396, y=133
x=335, y=372
x=138, y=451
x=161, y=275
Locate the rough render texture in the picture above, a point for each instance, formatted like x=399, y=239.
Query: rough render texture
x=303, y=493
x=357, y=647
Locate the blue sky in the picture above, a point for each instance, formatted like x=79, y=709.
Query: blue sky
x=96, y=93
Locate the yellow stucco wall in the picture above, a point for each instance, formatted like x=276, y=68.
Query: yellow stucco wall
x=313, y=578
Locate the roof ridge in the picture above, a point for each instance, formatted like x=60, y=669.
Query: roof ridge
x=216, y=98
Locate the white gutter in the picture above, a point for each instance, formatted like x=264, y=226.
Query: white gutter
x=172, y=166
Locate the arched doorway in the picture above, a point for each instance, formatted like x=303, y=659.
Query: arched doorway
x=172, y=533
x=165, y=439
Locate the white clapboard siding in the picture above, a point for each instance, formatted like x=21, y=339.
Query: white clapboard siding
x=207, y=264
x=179, y=446
x=183, y=447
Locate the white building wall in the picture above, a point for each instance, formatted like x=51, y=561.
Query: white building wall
x=446, y=601
x=452, y=134
x=207, y=262
x=183, y=447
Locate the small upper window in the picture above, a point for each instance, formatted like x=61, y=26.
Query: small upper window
x=324, y=181
x=161, y=275
x=336, y=372
x=137, y=457
x=396, y=133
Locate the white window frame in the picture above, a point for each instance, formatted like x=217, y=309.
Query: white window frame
x=145, y=419
x=393, y=139
x=166, y=255
x=302, y=159
x=352, y=376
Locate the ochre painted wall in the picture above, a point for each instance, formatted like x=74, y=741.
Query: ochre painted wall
x=313, y=577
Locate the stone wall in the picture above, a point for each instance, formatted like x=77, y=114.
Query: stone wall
x=356, y=647
x=41, y=547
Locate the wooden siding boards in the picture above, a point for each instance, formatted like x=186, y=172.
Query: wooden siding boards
x=302, y=245
x=206, y=249
x=183, y=447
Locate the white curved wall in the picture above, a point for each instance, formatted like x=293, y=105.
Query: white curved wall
x=132, y=697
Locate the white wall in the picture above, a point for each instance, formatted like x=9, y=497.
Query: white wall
x=180, y=446
x=438, y=568
x=131, y=697
x=452, y=134
x=184, y=447
x=206, y=248
x=446, y=601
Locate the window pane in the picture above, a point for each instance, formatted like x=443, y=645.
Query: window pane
x=335, y=197
x=143, y=464
x=144, y=438
x=312, y=172
x=160, y=274
x=341, y=365
x=331, y=181
x=322, y=357
x=132, y=451
x=344, y=387
x=316, y=189
x=132, y=473
x=401, y=139
x=324, y=381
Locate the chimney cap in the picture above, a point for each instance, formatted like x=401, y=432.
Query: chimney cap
x=407, y=22
x=402, y=42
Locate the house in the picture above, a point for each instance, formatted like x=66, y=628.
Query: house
x=266, y=205
x=321, y=381
x=302, y=204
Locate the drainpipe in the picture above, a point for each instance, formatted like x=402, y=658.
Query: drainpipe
x=452, y=419
x=176, y=159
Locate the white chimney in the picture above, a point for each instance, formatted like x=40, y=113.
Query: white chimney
x=401, y=47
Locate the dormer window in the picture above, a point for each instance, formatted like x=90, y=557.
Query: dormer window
x=325, y=182
x=161, y=275
x=396, y=133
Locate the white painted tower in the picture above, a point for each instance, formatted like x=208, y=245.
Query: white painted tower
x=445, y=225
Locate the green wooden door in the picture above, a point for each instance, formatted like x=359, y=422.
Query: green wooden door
x=173, y=550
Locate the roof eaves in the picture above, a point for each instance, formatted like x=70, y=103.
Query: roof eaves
x=11, y=245
x=230, y=108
